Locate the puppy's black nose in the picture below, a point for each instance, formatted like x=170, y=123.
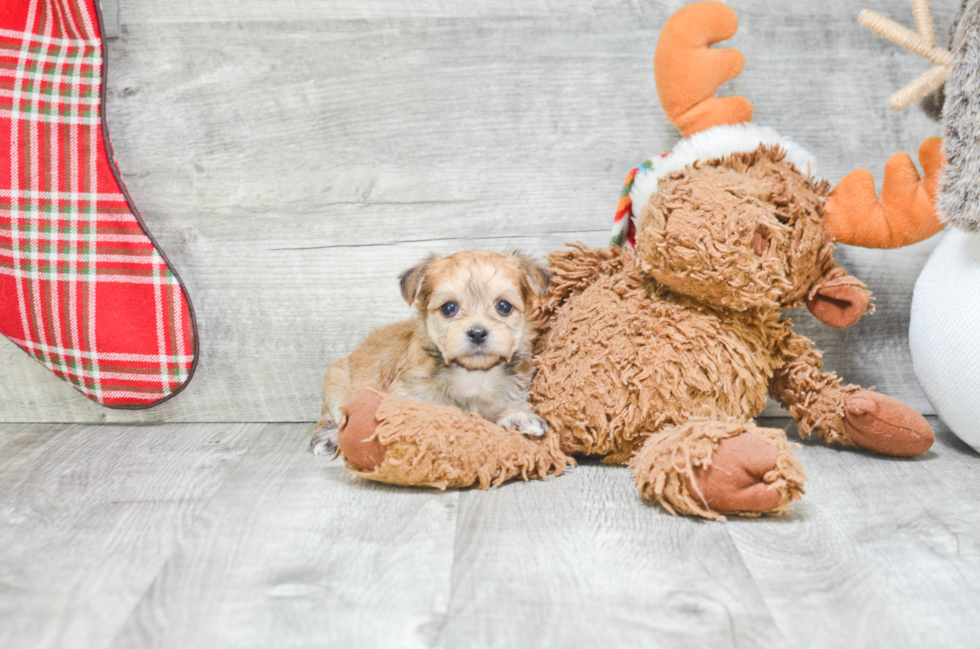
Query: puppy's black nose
x=477, y=335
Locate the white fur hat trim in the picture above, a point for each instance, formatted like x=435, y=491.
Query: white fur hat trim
x=711, y=144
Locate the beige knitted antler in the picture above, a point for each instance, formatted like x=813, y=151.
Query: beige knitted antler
x=922, y=43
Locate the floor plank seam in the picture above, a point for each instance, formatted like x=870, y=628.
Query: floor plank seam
x=435, y=643
x=752, y=580
x=178, y=542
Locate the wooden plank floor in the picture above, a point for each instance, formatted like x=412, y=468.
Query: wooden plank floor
x=292, y=158
x=231, y=535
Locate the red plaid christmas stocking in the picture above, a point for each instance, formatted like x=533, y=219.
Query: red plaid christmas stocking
x=83, y=287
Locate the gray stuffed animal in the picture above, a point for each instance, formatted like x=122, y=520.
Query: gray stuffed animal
x=946, y=302
x=957, y=105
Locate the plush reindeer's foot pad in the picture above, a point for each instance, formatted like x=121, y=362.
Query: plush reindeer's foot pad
x=711, y=468
x=885, y=425
x=408, y=443
x=356, y=438
x=735, y=479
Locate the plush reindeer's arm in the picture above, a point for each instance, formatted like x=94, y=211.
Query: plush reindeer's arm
x=577, y=267
x=815, y=399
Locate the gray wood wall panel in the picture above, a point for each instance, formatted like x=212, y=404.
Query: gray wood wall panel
x=292, y=158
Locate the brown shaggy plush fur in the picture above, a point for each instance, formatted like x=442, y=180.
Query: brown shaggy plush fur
x=438, y=446
x=640, y=358
x=661, y=358
x=665, y=467
x=694, y=233
x=690, y=326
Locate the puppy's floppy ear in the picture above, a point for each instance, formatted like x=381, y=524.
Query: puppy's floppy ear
x=535, y=278
x=414, y=280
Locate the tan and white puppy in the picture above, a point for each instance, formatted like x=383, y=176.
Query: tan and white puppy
x=468, y=346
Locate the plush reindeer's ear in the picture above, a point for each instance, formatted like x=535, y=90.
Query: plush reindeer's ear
x=414, y=280
x=535, y=278
x=839, y=302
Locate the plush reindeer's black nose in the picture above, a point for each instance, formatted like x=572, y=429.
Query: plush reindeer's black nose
x=477, y=335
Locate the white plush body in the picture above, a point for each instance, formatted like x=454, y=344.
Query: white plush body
x=943, y=334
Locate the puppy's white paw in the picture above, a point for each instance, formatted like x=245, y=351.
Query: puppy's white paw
x=324, y=440
x=526, y=423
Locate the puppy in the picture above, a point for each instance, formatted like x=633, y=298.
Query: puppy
x=468, y=346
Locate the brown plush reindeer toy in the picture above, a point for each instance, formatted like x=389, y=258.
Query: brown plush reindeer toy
x=661, y=358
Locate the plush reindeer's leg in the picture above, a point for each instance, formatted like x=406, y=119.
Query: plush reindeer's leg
x=845, y=414
x=408, y=443
x=710, y=468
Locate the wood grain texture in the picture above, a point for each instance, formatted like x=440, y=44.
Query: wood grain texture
x=884, y=552
x=176, y=536
x=292, y=158
x=173, y=11
x=294, y=551
x=582, y=561
x=89, y=515
x=111, y=18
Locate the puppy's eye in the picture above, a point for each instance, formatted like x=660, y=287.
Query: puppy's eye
x=504, y=307
x=449, y=309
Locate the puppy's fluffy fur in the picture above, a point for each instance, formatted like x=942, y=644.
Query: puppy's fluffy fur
x=468, y=346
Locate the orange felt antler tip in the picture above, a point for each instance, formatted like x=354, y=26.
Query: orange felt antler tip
x=688, y=71
x=904, y=215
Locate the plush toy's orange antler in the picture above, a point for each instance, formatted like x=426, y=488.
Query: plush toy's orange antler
x=688, y=71
x=906, y=213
